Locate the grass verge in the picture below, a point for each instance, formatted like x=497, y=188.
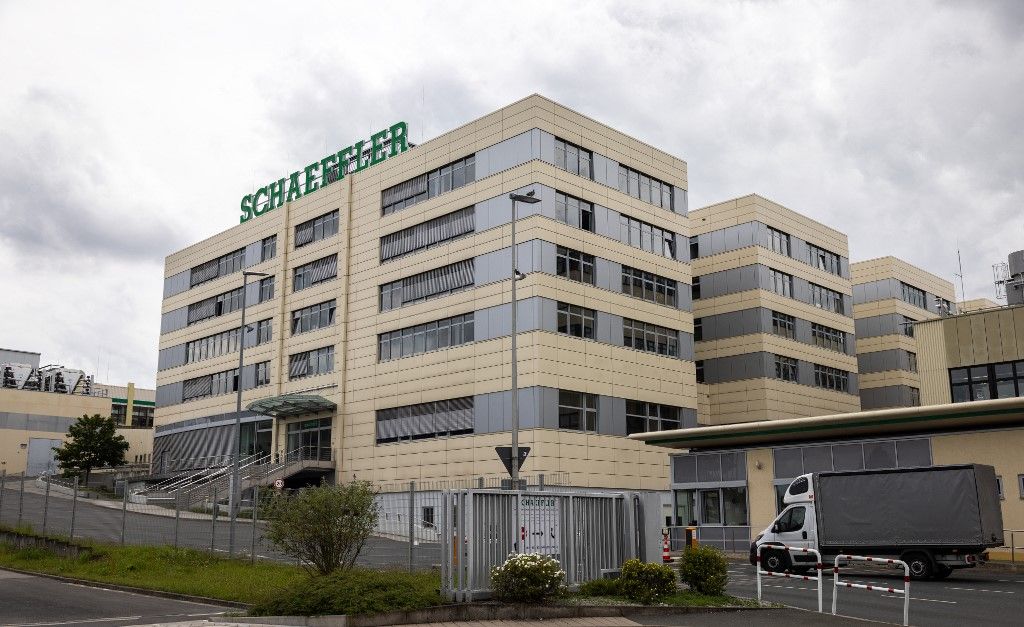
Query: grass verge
x=183, y=571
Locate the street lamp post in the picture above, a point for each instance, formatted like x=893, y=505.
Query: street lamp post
x=235, y=493
x=516, y=276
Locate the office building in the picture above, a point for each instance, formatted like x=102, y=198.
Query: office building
x=380, y=339
x=772, y=314
x=890, y=297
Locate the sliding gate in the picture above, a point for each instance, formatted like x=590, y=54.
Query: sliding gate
x=587, y=533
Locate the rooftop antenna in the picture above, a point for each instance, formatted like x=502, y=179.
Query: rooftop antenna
x=960, y=264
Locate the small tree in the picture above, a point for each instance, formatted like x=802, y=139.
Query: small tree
x=93, y=443
x=324, y=526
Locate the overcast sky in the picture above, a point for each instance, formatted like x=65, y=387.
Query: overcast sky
x=128, y=131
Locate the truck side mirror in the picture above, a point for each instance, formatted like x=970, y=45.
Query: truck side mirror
x=775, y=527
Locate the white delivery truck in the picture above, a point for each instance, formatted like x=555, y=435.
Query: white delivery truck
x=935, y=518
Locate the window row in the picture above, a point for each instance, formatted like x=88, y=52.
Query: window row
x=650, y=338
x=576, y=321
x=221, y=382
x=831, y=378
x=423, y=338
x=912, y=295
x=712, y=506
x=574, y=159
x=316, y=229
x=574, y=212
x=647, y=237
x=230, y=263
x=829, y=300
x=425, y=420
x=214, y=306
x=779, y=242
x=429, y=284
x=223, y=343
x=780, y=283
x=981, y=383
x=642, y=417
x=786, y=368
x=313, y=317
x=311, y=363
x=314, y=272
x=783, y=325
x=650, y=287
x=574, y=265
x=827, y=337
x=427, y=234
x=577, y=411
x=452, y=176
x=646, y=188
x=824, y=260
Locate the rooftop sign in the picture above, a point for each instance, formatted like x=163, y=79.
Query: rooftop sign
x=389, y=142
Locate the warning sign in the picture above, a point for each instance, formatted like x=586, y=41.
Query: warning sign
x=539, y=528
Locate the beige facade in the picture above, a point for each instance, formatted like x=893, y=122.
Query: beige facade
x=772, y=309
x=436, y=413
x=967, y=306
x=890, y=297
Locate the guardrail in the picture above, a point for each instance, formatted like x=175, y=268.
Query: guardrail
x=860, y=586
x=792, y=549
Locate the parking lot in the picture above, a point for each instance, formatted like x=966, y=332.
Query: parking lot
x=990, y=595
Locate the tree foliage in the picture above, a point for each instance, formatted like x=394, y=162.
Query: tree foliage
x=324, y=526
x=93, y=442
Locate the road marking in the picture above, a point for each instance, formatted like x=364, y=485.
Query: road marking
x=75, y=622
x=983, y=590
x=900, y=596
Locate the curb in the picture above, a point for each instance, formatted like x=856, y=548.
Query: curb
x=472, y=612
x=146, y=591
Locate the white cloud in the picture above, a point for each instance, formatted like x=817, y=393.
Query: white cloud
x=131, y=131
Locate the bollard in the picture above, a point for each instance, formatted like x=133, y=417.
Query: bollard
x=412, y=523
x=21, y=499
x=213, y=520
x=3, y=488
x=46, y=504
x=666, y=555
x=691, y=537
x=255, y=513
x=124, y=509
x=74, y=507
x=177, y=518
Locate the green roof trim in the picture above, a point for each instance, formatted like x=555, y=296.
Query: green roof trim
x=831, y=426
x=146, y=403
x=120, y=401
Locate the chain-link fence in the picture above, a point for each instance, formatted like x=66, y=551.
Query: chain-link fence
x=406, y=535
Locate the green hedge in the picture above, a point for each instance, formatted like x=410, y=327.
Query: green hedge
x=355, y=591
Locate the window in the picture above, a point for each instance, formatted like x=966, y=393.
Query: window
x=262, y=373
x=988, y=381
x=915, y=396
x=999, y=487
x=316, y=229
x=573, y=159
x=912, y=361
x=695, y=287
x=908, y=326
x=642, y=417
x=142, y=416
x=574, y=212
x=211, y=346
x=912, y=295
x=699, y=365
x=827, y=299
x=792, y=520
x=269, y=248
x=425, y=337
x=785, y=368
x=780, y=282
x=647, y=237
x=223, y=265
x=800, y=486
x=831, y=378
x=311, y=363
x=694, y=247
x=426, y=285
x=434, y=183
x=215, y=306
x=266, y=289
x=314, y=272
x=646, y=188
x=723, y=506
x=783, y=325
x=1020, y=485
x=427, y=516
x=574, y=265
x=427, y=234
x=824, y=260
x=313, y=317
x=577, y=411
x=210, y=385
x=832, y=339
x=576, y=321
x=425, y=420
x=779, y=241
x=650, y=338
x=649, y=287
x=698, y=329
x=264, y=331
x=119, y=413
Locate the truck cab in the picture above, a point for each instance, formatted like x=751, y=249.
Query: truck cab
x=796, y=526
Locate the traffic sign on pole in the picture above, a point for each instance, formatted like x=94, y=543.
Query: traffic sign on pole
x=505, y=455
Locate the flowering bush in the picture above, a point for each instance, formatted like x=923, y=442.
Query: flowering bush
x=527, y=578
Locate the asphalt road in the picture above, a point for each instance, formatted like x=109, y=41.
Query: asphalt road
x=991, y=595
x=104, y=524
x=26, y=600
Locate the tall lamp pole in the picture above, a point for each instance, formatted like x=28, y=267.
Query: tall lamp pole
x=516, y=276
x=235, y=494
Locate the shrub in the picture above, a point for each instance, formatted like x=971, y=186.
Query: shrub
x=704, y=570
x=325, y=526
x=600, y=588
x=526, y=578
x=646, y=583
x=354, y=591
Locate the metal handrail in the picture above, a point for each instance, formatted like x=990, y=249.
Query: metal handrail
x=787, y=575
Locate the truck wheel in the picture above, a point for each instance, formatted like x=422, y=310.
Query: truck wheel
x=776, y=561
x=942, y=571
x=920, y=566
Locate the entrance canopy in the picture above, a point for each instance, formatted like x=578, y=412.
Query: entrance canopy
x=290, y=405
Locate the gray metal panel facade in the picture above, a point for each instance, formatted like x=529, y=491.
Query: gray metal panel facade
x=887, y=396
x=177, y=283
x=875, y=326
x=760, y=365
x=509, y=153
x=174, y=320
x=171, y=357
x=756, y=234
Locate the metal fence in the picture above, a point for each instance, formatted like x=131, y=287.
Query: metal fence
x=589, y=534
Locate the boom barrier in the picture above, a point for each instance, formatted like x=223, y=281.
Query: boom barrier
x=836, y=584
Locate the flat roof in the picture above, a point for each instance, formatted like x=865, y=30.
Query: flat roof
x=951, y=416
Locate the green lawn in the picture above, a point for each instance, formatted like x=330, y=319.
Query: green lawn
x=184, y=571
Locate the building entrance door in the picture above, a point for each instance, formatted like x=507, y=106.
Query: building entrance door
x=310, y=439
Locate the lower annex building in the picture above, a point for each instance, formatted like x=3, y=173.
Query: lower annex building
x=380, y=337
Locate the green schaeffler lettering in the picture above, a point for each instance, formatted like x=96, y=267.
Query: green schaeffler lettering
x=315, y=175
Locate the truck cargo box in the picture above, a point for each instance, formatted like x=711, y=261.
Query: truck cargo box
x=939, y=506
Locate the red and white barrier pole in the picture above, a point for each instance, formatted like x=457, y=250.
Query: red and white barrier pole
x=666, y=556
